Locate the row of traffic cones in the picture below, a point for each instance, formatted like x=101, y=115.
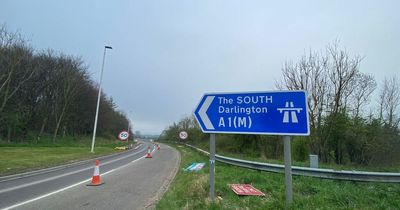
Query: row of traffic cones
x=149, y=151
x=96, y=174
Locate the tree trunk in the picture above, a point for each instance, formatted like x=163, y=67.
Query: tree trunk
x=9, y=134
x=58, y=125
x=41, y=129
x=64, y=130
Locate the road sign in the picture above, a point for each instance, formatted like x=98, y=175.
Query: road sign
x=274, y=113
x=123, y=135
x=183, y=135
x=246, y=189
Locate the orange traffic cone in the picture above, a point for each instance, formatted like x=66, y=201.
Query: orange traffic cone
x=96, y=175
x=158, y=146
x=148, y=153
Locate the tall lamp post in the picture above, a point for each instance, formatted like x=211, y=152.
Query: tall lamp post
x=98, y=99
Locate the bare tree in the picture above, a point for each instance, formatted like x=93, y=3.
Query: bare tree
x=15, y=70
x=390, y=101
x=360, y=92
x=45, y=85
x=329, y=79
x=343, y=70
x=185, y=123
x=70, y=71
x=308, y=74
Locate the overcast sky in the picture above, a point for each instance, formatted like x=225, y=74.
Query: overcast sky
x=167, y=54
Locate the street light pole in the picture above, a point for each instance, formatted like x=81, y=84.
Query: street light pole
x=98, y=99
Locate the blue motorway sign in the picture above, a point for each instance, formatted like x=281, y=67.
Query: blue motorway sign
x=273, y=113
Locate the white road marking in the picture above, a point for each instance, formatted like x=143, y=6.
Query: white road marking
x=46, y=195
x=71, y=186
x=60, y=176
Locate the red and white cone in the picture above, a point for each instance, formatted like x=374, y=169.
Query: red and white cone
x=96, y=175
x=148, y=153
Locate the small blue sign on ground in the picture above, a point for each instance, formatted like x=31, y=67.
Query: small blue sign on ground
x=195, y=167
x=273, y=113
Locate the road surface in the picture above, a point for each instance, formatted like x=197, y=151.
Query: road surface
x=130, y=182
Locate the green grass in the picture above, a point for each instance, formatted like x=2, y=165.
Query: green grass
x=394, y=168
x=190, y=190
x=252, y=157
x=22, y=157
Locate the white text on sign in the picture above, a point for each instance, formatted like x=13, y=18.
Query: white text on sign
x=225, y=107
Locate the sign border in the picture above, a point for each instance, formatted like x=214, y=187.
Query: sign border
x=126, y=138
x=255, y=133
x=187, y=135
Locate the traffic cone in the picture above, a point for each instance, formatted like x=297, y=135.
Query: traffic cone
x=96, y=175
x=158, y=146
x=148, y=153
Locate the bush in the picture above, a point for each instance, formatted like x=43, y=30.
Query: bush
x=300, y=149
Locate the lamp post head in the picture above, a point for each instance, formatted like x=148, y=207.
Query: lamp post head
x=108, y=47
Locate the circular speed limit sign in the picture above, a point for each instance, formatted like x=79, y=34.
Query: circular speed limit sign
x=183, y=135
x=123, y=136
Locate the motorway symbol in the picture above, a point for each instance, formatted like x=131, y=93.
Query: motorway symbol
x=292, y=110
x=273, y=113
x=123, y=135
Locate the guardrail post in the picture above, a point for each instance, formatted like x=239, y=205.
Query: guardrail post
x=212, y=166
x=288, y=170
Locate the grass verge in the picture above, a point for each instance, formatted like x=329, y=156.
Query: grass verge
x=190, y=190
x=252, y=157
x=18, y=158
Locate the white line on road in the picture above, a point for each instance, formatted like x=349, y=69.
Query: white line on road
x=46, y=195
x=60, y=176
x=71, y=186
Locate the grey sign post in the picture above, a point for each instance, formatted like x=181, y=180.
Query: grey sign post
x=282, y=113
x=212, y=166
x=288, y=169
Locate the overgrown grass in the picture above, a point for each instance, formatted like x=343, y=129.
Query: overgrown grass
x=27, y=156
x=190, y=190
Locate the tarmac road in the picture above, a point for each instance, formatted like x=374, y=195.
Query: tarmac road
x=130, y=182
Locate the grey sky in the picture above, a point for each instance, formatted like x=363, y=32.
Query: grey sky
x=167, y=54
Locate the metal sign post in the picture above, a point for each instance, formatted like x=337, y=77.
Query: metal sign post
x=212, y=166
x=288, y=170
